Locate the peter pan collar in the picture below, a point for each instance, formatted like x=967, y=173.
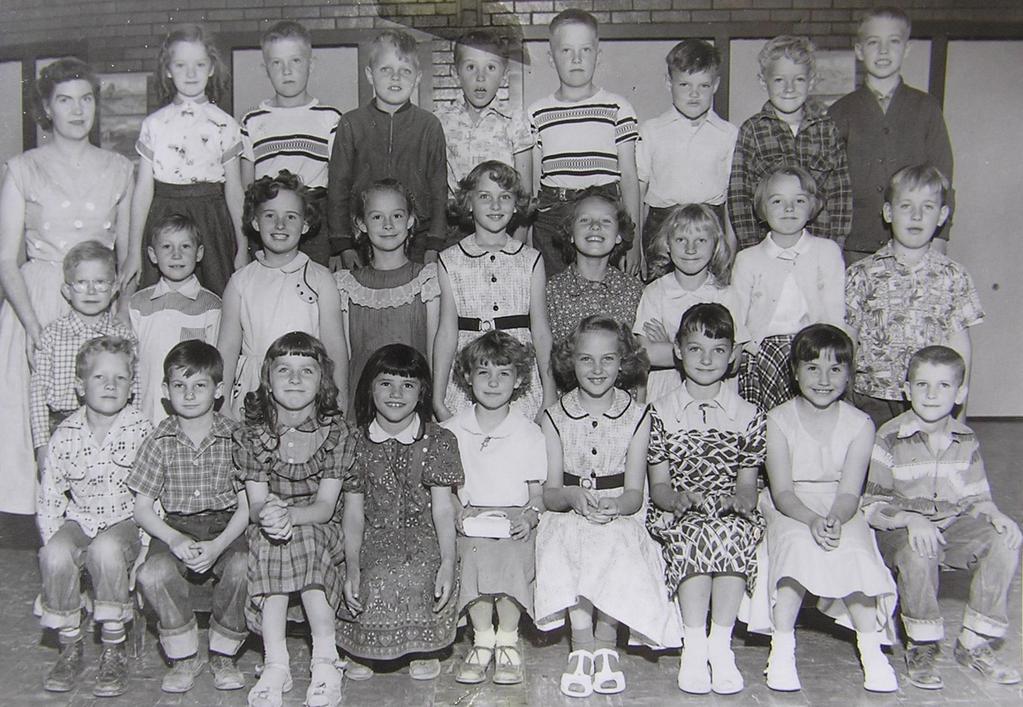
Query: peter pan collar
x=407, y=435
x=471, y=249
x=293, y=265
x=572, y=406
x=798, y=248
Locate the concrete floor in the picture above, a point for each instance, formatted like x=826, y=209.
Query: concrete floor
x=827, y=661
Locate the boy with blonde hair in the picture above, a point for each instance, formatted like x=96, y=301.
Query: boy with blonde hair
x=789, y=130
x=928, y=497
x=390, y=138
x=586, y=137
x=886, y=125
x=292, y=130
x=907, y=295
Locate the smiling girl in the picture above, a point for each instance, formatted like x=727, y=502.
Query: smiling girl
x=281, y=291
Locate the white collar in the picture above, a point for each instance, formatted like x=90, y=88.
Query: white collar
x=189, y=289
x=798, y=248
x=726, y=399
x=406, y=435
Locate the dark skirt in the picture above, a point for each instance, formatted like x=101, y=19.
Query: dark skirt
x=204, y=203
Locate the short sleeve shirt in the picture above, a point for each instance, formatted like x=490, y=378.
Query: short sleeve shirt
x=571, y=297
x=498, y=134
x=188, y=142
x=898, y=309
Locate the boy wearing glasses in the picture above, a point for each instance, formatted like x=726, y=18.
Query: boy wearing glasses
x=90, y=275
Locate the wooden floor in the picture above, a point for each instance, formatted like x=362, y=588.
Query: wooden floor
x=826, y=654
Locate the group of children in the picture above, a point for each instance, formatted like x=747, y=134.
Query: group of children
x=283, y=439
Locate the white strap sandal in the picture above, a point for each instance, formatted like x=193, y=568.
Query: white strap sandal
x=270, y=688
x=579, y=682
x=605, y=680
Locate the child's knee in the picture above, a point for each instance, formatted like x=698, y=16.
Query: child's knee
x=910, y=563
x=108, y=551
x=156, y=571
x=236, y=568
x=56, y=557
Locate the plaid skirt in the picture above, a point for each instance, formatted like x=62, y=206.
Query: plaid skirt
x=312, y=558
x=765, y=378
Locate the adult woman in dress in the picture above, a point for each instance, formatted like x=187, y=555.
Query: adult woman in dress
x=53, y=197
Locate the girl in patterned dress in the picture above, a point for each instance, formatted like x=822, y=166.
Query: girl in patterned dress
x=489, y=280
x=706, y=447
x=190, y=150
x=818, y=450
x=399, y=521
x=691, y=258
x=391, y=299
x=292, y=455
x=594, y=557
x=282, y=290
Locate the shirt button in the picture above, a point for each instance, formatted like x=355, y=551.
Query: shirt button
x=594, y=423
x=496, y=308
x=593, y=451
x=493, y=258
x=196, y=493
x=195, y=462
x=291, y=444
x=493, y=278
x=79, y=223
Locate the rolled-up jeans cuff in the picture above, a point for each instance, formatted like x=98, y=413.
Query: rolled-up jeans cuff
x=924, y=630
x=225, y=641
x=112, y=611
x=180, y=642
x=53, y=618
x=984, y=625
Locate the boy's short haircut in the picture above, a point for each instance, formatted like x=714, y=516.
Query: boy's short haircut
x=88, y=251
x=918, y=176
x=403, y=43
x=194, y=356
x=572, y=16
x=799, y=50
x=498, y=348
x=885, y=12
x=484, y=40
x=286, y=29
x=711, y=319
x=815, y=339
x=937, y=356
x=692, y=55
x=174, y=222
x=806, y=182
x=103, y=344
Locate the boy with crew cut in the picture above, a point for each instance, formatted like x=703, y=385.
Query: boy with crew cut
x=292, y=130
x=84, y=513
x=90, y=286
x=789, y=130
x=586, y=137
x=684, y=156
x=886, y=125
x=907, y=295
x=927, y=495
x=390, y=138
x=186, y=465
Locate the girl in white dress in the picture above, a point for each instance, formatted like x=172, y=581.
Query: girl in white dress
x=281, y=291
x=818, y=450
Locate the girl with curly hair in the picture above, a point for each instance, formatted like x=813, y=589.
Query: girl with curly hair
x=282, y=290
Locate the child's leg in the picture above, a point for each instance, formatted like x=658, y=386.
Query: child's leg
x=694, y=600
x=577, y=680
x=60, y=567
x=878, y=675
x=474, y=668
x=916, y=577
x=227, y=621
x=580, y=621
x=726, y=595
x=325, y=684
x=781, y=664
x=276, y=676
x=507, y=657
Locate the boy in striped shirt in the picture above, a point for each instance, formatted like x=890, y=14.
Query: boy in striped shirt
x=586, y=137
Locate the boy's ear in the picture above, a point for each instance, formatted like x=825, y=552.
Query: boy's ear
x=858, y=50
x=165, y=389
x=218, y=391
x=79, y=387
x=943, y=215
x=152, y=254
x=369, y=74
x=200, y=250
x=961, y=393
x=65, y=290
x=886, y=212
x=714, y=86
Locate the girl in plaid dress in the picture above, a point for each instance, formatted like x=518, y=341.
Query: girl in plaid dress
x=292, y=455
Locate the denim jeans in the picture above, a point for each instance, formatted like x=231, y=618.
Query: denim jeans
x=108, y=558
x=166, y=583
x=971, y=544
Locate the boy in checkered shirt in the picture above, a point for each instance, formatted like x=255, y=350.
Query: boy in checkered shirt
x=90, y=286
x=186, y=465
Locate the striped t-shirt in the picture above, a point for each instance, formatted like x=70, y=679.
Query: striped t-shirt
x=578, y=140
x=297, y=139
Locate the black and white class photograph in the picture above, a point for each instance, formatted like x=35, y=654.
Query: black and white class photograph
x=518, y=353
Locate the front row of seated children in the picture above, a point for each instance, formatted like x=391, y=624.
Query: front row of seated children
x=574, y=544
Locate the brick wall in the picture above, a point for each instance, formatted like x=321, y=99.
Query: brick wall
x=123, y=35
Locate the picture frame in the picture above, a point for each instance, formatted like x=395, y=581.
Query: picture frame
x=125, y=100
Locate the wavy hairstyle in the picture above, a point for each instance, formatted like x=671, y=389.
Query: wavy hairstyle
x=394, y=360
x=501, y=174
x=70, y=68
x=501, y=349
x=266, y=188
x=218, y=83
x=635, y=363
x=260, y=409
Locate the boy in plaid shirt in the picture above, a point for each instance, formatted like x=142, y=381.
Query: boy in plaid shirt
x=928, y=497
x=790, y=130
x=84, y=515
x=186, y=465
x=90, y=278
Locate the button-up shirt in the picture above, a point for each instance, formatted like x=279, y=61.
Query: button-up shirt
x=907, y=475
x=685, y=161
x=897, y=309
x=188, y=142
x=83, y=479
x=726, y=411
x=495, y=134
x=53, y=380
x=766, y=143
x=186, y=478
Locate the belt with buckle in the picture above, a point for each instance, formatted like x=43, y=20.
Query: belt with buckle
x=514, y=321
x=564, y=194
x=601, y=483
